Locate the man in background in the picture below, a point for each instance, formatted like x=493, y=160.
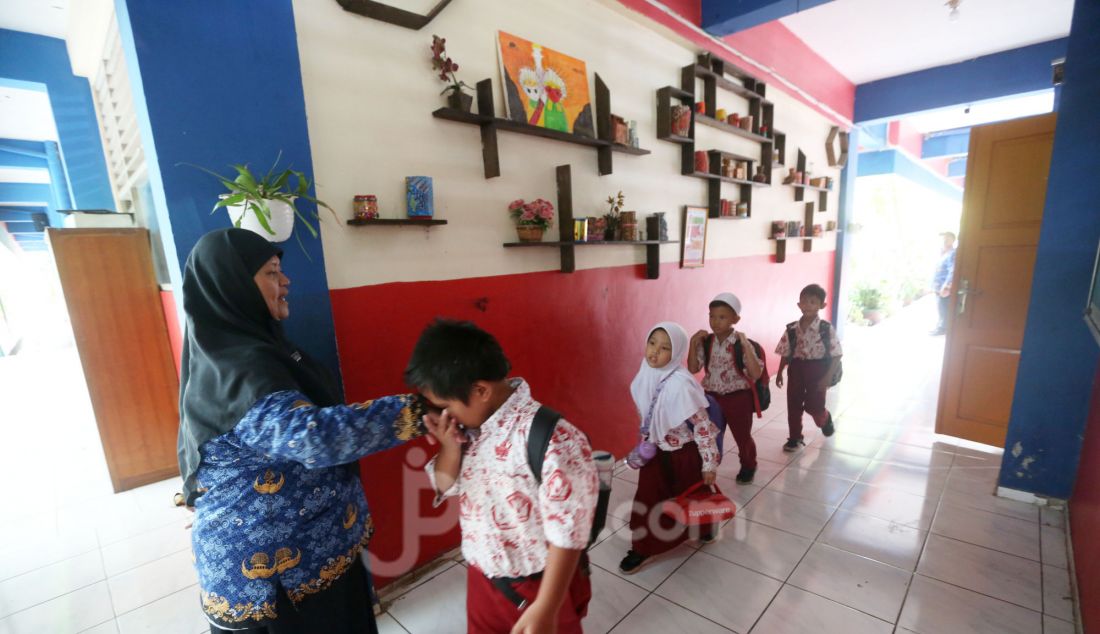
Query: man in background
x=941, y=281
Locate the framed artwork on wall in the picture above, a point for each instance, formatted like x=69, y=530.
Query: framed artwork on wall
x=694, y=244
x=543, y=87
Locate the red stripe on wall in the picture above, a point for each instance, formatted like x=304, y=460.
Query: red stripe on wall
x=175, y=340
x=776, y=47
x=1084, y=518
x=577, y=339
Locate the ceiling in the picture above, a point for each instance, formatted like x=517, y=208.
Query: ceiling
x=26, y=114
x=867, y=40
x=968, y=115
x=44, y=17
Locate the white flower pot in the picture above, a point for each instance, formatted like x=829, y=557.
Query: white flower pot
x=281, y=221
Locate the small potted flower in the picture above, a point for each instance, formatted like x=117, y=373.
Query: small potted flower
x=446, y=66
x=532, y=218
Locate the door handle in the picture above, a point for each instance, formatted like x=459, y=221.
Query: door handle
x=963, y=293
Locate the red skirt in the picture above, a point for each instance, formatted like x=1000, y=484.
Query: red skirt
x=669, y=474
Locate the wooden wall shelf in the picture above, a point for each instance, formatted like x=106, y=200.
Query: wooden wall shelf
x=384, y=222
x=800, y=190
x=489, y=123
x=567, y=245
x=732, y=129
x=392, y=14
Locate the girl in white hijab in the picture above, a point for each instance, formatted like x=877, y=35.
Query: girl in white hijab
x=678, y=443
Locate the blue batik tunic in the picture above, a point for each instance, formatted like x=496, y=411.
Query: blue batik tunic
x=283, y=503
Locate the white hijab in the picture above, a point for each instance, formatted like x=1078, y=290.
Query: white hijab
x=680, y=397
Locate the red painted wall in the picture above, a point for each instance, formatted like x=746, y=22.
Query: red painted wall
x=692, y=10
x=903, y=135
x=774, y=46
x=175, y=340
x=576, y=338
x=1084, y=517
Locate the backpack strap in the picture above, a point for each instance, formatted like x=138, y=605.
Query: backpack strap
x=792, y=340
x=739, y=363
x=538, y=439
x=824, y=329
x=708, y=341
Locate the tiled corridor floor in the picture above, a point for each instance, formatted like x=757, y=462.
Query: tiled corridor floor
x=886, y=527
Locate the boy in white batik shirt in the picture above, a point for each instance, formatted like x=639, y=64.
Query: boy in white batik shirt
x=524, y=540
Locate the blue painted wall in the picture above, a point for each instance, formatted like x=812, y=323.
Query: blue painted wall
x=895, y=162
x=952, y=143
x=1058, y=361
x=1012, y=72
x=36, y=58
x=220, y=83
x=723, y=17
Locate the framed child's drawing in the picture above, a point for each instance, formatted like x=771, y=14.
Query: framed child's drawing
x=694, y=244
x=543, y=87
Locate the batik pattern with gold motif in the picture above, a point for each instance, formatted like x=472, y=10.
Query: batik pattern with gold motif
x=283, y=502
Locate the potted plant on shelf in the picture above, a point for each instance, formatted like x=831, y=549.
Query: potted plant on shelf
x=613, y=219
x=446, y=66
x=532, y=218
x=266, y=205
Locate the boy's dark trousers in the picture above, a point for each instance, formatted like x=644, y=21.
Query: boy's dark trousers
x=489, y=611
x=738, y=408
x=803, y=395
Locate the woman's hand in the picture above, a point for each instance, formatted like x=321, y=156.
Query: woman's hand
x=708, y=477
x=444, y=430
x=779, y=378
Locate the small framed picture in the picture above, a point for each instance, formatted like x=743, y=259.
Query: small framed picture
x=694, y=244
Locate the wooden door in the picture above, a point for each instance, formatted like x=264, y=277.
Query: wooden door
x=122, y=337
x=1006, y=185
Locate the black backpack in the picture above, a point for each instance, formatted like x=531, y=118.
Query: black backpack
x=538, y=441
x=826, y=339
x=762, y=395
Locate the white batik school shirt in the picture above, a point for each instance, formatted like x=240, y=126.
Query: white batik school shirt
x=808, y=344
x=508, y=520
x=721, y=375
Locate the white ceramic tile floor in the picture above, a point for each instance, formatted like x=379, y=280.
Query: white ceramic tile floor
x=884, y=527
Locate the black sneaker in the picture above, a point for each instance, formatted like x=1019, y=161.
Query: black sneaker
x=745, y=476
x=708, y=538
x=828, y=428
x=794, y=444
x=632, y=562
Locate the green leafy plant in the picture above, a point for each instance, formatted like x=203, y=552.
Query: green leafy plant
x=867, y=297
x=253, y=193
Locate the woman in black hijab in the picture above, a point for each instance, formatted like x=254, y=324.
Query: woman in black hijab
x=269, y=453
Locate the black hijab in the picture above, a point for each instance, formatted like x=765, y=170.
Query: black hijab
x=234, y=352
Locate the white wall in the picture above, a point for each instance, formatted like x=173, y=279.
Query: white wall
x=370, y=91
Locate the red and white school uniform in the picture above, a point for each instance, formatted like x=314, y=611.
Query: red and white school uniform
x=509, y=521
x=673, y=409
x=733, y=393
x=808, y=365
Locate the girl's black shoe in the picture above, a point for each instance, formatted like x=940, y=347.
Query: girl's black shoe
x=632, y=562
x=745, y=476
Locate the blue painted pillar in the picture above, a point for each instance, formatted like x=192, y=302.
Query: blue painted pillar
x=217, y=83
x=1059, y=356
x=843, y=243
x=44, y=60
x=59, y=180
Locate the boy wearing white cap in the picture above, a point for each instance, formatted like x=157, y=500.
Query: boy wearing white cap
x=732, y=368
